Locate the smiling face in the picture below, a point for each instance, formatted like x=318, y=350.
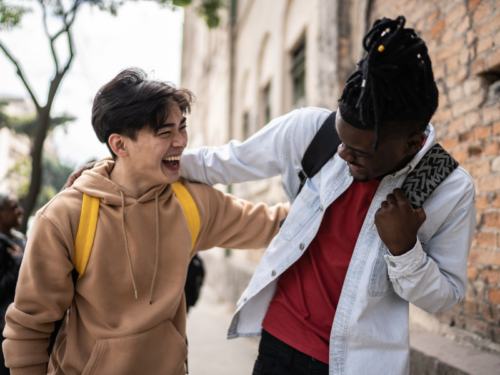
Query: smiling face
x=154, y=157
x=365, y=163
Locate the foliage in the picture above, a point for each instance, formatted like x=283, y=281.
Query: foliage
x=10, y=15
x=55, y=175
x=208, y=10
x=28, y=125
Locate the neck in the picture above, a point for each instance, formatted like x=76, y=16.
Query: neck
x=5, y=229
x=400, y=166
x=127, y=178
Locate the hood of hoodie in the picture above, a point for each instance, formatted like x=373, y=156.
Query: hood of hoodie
x=97, y=183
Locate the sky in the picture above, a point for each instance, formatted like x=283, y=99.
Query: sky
x=143, y=34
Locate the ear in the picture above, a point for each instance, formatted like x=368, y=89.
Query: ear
x=118, y=144
x=414, y=143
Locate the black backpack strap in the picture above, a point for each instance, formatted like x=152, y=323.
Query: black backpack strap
x=436, y=165
x=321, y=149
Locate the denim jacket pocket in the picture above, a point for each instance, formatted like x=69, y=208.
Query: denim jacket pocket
x=380, y=285
x=303, y=210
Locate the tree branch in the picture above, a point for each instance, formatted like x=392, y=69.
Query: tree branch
x=51, y=40
x=21, y=75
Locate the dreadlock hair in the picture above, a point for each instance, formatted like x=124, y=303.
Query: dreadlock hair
x=393, y=90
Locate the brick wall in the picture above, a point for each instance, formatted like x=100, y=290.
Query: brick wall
x=463, y=38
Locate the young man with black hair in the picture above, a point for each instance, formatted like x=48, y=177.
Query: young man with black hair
x=331, y=294
x=127, y=310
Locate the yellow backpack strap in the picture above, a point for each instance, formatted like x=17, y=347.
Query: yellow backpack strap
x=190, y=210
x=86, y=232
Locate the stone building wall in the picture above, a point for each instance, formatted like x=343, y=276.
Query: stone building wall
x=463, y=38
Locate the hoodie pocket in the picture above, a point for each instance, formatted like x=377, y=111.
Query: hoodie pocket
x=159, y=350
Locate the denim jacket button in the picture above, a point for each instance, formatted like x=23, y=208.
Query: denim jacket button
x=301, y=246
x=273, y=273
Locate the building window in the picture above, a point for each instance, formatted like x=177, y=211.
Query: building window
x=266, y=104
x=298, y=73
x=246, y=125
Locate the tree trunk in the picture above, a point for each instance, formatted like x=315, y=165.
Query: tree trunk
x=29, y=201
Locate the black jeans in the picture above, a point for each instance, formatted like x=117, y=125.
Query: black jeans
x=277, y=358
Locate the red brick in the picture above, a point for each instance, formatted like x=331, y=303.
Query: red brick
x=437, y=28
x=475, y=150
x=481, y=12
x=491, y=220
x=482, y=202
x=490, y=312
x=468, y=104
x=476, y=326
x=442, y=114
x=490, y=183
x=461, y=74
x=461, y=154
x=471, y=308
x=486, y=240
x=472, y=85
x=496, y=128
x=432, y=16
x=457, y=92
x=482, y=132
x=472, y=119
x=474, y=3
x=463, y=26
x=494, y=295
x=467, y=136
x=450, y=143
x=484, y=44
x=489, y=257
x=481, y=168
x=496, y=202
x=491, y=149
x=477, y=66
x=494, y=59
x=451, y=49
x=488, y=26
x=495, y=164
x=438, y=71
x=472, y=273
x=490, y=277
x=447, y=36
x=456, y=126
x=457, y=13
x=491, y=113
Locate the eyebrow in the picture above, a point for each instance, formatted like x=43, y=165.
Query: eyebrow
x=170, y=124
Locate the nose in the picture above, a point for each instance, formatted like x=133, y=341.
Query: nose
x=345, y=154
x=179, y=141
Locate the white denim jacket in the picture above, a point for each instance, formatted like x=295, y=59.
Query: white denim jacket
x=370, y=333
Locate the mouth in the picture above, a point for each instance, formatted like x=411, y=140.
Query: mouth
x=356, y=168
x=172, y=162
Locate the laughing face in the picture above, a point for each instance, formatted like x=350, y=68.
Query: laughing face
x=365, y=163
x=154, y=158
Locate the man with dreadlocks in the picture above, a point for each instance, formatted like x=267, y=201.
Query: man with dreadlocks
x=387, y=220
x=331, y=292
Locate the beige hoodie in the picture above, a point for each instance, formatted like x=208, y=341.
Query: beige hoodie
x=108, y=330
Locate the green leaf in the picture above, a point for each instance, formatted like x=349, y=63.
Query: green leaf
x=10, y=15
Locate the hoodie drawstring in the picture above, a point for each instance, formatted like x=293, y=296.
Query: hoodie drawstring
x=126, y=243
x=157, y=245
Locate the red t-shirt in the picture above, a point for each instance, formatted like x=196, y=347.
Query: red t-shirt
x=302, y=310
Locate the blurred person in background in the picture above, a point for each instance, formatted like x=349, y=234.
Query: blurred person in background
x=12, y=245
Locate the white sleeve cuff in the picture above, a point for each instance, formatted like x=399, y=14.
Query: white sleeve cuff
x=405, y=264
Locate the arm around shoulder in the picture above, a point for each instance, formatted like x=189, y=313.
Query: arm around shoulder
x=235, y=223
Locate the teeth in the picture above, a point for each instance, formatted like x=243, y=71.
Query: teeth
x=172, y=158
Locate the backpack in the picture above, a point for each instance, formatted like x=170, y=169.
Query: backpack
x=434, y=167
x=85, y=239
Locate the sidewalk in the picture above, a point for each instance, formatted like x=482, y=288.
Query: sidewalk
x=209, y=351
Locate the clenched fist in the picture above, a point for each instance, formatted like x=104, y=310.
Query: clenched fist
x=398, y=222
